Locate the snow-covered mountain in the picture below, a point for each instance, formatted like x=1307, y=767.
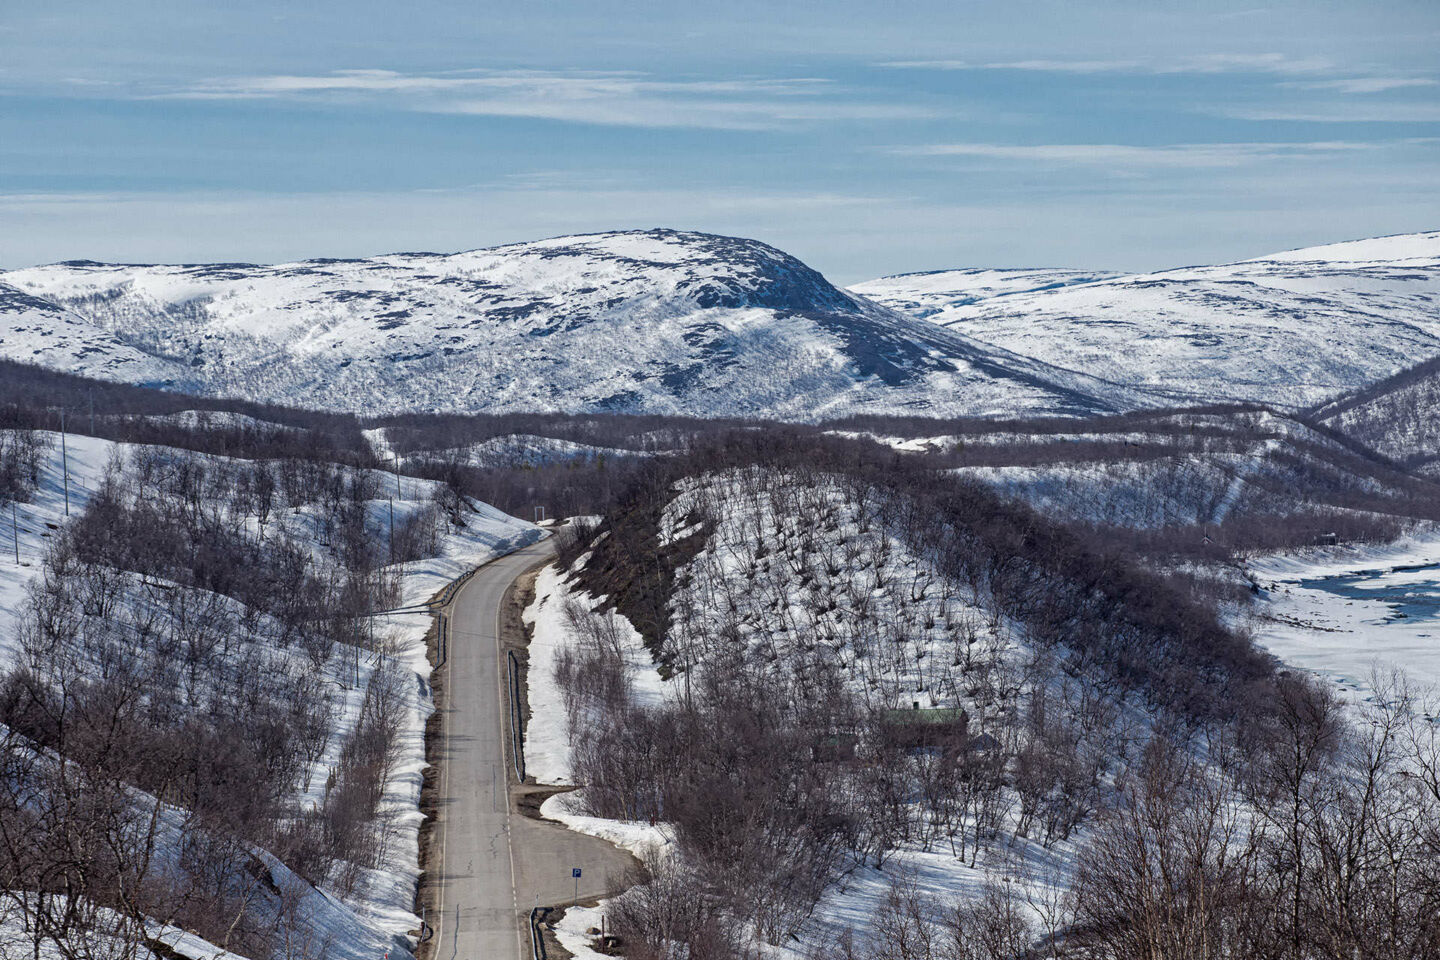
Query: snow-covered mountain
x=672, y=322
x=1291, y=329
x=654, y=321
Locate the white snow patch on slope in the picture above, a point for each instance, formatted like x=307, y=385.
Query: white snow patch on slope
x=99, y=943
x=547, y=737
x=1421, y=247
x=925, y=294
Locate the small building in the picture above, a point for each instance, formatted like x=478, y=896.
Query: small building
x=932, y=728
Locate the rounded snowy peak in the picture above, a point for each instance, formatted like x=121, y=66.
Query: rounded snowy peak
x=709, y=270
x=1402, y=248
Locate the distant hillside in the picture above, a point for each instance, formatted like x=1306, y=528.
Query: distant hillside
x=1289, y=329
x=1398, y=417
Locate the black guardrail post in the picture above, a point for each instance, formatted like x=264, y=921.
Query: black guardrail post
x=517, y=733
x=537, y=939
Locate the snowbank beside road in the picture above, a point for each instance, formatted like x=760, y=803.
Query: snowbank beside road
x=547, y=736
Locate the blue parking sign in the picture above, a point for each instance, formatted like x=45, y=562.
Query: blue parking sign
x=575, y=872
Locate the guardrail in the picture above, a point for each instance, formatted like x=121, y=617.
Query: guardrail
x=448, y=594
x=438, y=607
x=537, y=939
x=517, y=729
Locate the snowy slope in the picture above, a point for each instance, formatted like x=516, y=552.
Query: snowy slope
x=928, y=295
x=656, y=321
x=1418, y=248
x=1396, y=417
x=33, y=330
x=1291, y=329
x=376, y=917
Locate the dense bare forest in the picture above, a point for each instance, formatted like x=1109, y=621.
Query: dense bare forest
x=200, y=711
x=1010, y=644
x=869, y=657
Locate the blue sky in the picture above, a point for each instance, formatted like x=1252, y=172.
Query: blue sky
x=866, y=138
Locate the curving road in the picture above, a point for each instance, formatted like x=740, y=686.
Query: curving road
x=494, y=864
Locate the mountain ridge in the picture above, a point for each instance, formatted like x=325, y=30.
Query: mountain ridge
x=639, y=321
x=690, y=323
x=1291, y=328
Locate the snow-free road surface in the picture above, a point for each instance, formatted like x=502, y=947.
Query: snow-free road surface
x=495, y=865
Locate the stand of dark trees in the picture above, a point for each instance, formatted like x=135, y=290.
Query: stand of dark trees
x=575, y=487
x=36, y=398
x=638, y=432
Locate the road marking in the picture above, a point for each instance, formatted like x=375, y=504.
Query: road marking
x=445, y=759
x=500, y=705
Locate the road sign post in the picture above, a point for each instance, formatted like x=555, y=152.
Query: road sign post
x=575, y=872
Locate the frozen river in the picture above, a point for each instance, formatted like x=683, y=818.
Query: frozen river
x=1343, y=614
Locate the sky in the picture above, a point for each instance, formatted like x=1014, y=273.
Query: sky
x=866, y=138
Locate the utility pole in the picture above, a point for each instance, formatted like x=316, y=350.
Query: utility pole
x=15, y=532
x=392, y=530
x=91, y=391
x=65, y=461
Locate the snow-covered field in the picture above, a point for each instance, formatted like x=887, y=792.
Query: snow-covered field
x=366, y=923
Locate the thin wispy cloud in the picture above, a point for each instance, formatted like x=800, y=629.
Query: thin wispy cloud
x=1173, y=156
x=606, y=98
x=571, y=116
x=1347, y=111
x=1362, y=84
x=1212, y=63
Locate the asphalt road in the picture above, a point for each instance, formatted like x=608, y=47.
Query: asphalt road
x=494, y=864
